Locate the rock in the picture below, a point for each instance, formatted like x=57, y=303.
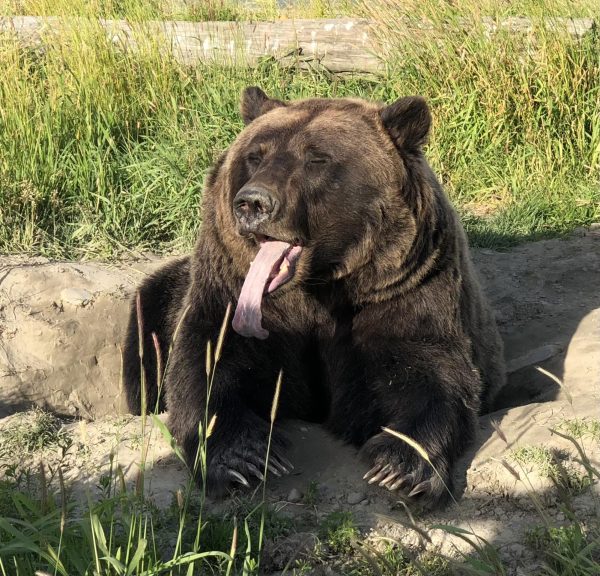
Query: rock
x=356, y=497
x=535, y=356
x=76, y=296
x=324, y=488
x=516, y=550
x=294, y=496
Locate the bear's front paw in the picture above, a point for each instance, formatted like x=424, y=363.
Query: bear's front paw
x=398, y=466
x=244, y=459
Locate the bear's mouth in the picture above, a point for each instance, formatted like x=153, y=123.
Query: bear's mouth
x=272, y=267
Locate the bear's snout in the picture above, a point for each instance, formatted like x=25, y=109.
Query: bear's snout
x=253, y=206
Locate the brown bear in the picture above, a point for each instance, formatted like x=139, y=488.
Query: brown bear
x=325, y=227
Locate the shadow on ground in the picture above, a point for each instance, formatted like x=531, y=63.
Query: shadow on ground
x=548, y=309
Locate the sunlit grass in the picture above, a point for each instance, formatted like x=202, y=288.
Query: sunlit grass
x=193, y=10
x=515, y=141
x=104, y=151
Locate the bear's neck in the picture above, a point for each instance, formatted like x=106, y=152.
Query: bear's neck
x=410, y=251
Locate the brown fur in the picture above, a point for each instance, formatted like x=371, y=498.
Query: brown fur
x=383, y=324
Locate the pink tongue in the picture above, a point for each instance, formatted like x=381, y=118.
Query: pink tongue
x=248, y=315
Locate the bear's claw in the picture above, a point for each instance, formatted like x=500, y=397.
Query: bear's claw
x=398, y=483
x=278, y=465
x=238, y=477
x=376, y=473
x=288, y=465
x=245, y=463
x=255, y=471
x=389, y=478
x=424, y=486
x=399, y=468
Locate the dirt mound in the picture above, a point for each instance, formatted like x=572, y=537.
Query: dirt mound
x=61, y=325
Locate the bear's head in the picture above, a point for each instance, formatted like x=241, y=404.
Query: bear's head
x=314, y=188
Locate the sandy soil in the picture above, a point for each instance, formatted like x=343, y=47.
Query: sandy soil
x=60, y=331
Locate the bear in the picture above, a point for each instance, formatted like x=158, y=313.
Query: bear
x=325, y=228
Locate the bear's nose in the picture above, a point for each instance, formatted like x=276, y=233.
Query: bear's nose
x=254, y=205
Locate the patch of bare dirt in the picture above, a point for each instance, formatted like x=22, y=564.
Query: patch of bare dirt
x=61, y=325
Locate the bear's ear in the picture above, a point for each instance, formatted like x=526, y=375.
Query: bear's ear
x=255, y=103
x=407, y=121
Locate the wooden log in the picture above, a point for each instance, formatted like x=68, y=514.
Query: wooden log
x=337, y=45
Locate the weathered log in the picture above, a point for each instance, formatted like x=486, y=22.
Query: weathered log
x=342, y=45
x=337, y=45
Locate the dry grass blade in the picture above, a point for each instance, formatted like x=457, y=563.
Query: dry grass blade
x=179, y=323
x=222, y=333
x=233, y=548
x=556, y=379
x=275, y=403
x=139, y=483
x=211, y=426
x=506, y=465
x=140, y=327
x=407, y=551
x=208, y=360
x=412, y=443
x=121, y=477
x=423, y=453
x=158, y=361
x=63, y=500
x=140, y=324
x=496, y=426
x=411, y=525
x=585, y=461
x=370, y=555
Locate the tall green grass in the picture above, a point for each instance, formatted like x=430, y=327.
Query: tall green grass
x=119, y=532
x=104, y=150
x=194, y=10
x=517, y=136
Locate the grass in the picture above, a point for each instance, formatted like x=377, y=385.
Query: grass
x=339, y=530
x=105, y=151
x=539, y=457
x=515, y=139
x=192, y=10
x=569, y=550
x=581, y=428
x=120, y=532
x=553, y=465
x=36, y=430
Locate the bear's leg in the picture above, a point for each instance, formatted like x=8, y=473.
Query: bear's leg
x=237, y=395
x=426, y=393
x=161, y=297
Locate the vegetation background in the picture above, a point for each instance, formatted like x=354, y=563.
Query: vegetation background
x=103, y=153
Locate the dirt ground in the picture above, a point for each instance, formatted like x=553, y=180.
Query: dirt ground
x=60, y=330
